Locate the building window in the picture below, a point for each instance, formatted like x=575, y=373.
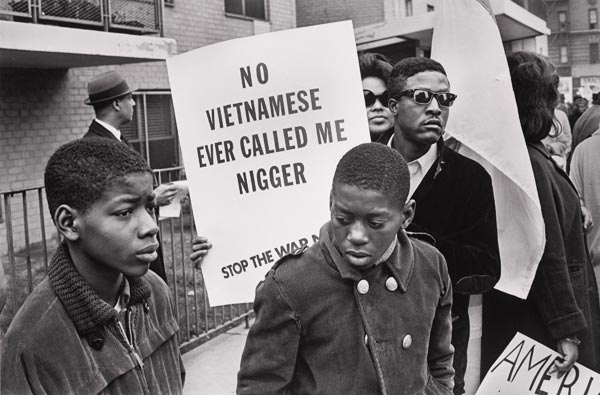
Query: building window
x=153, y=132
x=170, y=3
x=564, y=54
x=562, y=20
x=251, y=8
x=593, y=17
x=408, y=7
x=593, y=52
x=430, y=8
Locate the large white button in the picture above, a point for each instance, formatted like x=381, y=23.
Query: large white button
x=363, y=286
x=391, y=284
x=407, y=342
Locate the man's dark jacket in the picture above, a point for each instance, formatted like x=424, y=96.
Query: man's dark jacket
x=97, y=130
x=455, y=204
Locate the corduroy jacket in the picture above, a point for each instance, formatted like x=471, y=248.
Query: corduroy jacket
x=66, y=340
x=320, y=329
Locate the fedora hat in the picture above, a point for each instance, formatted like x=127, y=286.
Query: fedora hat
x=106, y=86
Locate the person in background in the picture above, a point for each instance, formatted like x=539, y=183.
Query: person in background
x=110, y=95
x=562, y=309
x=453, y=193
x=585, y=174
x=364, y=310
x=564, y=107
x=580, y=104
x=100, y=322
x=558, y=141
x=375, y=71
x=587, y=122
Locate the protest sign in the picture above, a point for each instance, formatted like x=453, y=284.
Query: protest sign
x=262, y=122
x=526, y=367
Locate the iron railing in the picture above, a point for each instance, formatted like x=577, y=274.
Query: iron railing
x=134, y=16
x=31, y=241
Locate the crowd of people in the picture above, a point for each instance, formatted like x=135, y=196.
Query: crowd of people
x=379, y=304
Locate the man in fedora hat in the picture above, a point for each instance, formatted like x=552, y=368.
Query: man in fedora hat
x=113, y=103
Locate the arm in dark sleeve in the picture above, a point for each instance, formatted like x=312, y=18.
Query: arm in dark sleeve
x=552, y=287
x=441, y=351
x=269, y=357
x=470, y=245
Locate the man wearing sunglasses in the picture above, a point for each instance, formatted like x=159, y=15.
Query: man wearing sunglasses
x=453, y=194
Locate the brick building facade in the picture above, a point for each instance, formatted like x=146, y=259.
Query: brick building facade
x=574, y=44
x=42, y=107
x=403, y=28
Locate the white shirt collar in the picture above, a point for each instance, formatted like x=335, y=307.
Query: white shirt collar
x=427, y=159
x=116, y=132
x=419, y=167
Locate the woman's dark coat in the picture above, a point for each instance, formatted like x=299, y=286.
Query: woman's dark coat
x=563, y=300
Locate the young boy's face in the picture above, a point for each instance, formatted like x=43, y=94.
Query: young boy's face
x=118, y=232
x=365, y=222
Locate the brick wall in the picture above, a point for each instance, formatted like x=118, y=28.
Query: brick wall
x=579, y=14
x=312, y=12
x=577, y=36
x=39, y=111
x=43, y=109
x=195, y=24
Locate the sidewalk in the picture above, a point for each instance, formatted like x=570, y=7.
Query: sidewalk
x=212, y=367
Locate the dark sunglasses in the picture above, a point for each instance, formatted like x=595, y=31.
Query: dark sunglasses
x=424, y=96
x=370, y=98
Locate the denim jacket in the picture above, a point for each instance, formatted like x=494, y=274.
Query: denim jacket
x=319, y=331
x=66, y=340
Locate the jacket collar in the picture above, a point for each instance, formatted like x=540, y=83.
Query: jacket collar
x=88, y=312
x=541, y=148
x=99, y=130
x=400, y=263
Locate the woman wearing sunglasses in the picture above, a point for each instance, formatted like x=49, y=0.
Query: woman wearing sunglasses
x=375, y=71
x=561, y=310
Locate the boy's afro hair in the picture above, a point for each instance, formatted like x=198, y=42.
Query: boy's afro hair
x=376, y=167
x=79, y=172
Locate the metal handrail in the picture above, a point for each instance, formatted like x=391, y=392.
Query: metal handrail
x=27, y=264
x=135, y=16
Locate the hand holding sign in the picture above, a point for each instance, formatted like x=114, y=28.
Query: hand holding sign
x=172, y=206
x=527, y=367
x=164, y=194
x=200, y=247
x=569, y=348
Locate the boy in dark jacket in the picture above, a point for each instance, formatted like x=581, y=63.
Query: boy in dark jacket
x=100, y=322
x=366, y=309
